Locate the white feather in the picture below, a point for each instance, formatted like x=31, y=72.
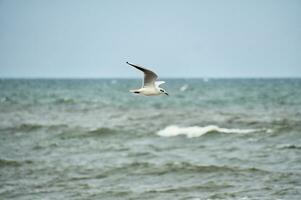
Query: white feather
x=158, y=83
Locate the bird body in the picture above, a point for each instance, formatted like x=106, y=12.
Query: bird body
x=150, y=87
x=147, y=91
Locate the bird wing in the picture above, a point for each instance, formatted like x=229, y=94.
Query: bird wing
x=149, y=76
x=158, y=83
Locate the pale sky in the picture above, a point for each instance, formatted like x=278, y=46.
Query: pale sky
x=187, y=38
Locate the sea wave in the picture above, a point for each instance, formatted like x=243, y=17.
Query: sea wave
x=13, y=163
x=30, y=127
x=289, y=146
x=65, y=101
x=197, y=131
x=80, y=132
x=101, y=131
x=168, y=167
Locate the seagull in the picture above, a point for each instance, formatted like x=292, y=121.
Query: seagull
x=150, y=87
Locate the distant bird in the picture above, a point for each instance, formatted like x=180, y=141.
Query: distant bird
x=150, y=87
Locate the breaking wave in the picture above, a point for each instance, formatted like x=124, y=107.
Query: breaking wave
x=197, y=131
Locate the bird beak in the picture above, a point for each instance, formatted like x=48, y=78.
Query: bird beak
x=166, y=93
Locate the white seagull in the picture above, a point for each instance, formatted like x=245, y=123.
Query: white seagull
x=150, y=87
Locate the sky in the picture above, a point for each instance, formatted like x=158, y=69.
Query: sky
x=175, y=38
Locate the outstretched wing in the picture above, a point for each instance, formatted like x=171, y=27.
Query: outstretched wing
x=149, y=76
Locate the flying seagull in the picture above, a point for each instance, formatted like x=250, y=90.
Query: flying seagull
x=150, y=87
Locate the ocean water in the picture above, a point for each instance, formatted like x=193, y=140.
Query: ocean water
x=91, y=139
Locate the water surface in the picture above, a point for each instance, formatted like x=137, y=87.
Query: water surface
x=92, y=139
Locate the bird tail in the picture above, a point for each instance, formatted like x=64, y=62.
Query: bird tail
x=134, y=91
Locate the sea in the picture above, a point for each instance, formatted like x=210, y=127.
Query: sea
x=91, y=139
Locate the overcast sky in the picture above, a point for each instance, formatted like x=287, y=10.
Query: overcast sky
x=187, y=38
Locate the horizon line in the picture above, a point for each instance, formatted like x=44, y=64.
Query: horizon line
x=205, y=77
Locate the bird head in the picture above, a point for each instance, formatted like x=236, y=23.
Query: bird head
x=163, y=91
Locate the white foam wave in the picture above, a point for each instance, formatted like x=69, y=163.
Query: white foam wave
x=183, y=88
x=197, y=131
